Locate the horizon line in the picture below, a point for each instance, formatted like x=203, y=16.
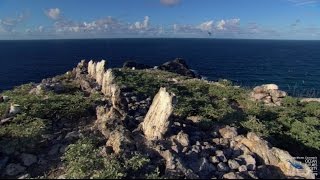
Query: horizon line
x=44, y=39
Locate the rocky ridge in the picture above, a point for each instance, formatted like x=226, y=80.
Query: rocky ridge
x=148, y=125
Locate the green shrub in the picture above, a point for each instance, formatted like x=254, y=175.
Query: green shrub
x=136, y=162
x=82, y=161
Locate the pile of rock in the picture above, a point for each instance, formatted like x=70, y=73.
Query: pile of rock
x=269, y=94
x=178, y=66
x=190, y=152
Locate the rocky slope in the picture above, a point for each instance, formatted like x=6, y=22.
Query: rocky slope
x=95, y=122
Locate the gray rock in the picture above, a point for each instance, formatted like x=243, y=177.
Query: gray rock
x=72, y=135
x=228, y=152
x=25, y=176
x=54, y=150
x=3, y=161
x=5, y=98
x=28, y=159
x=139, y=118
x=14, y=169
x=233, y=164
x=252, y=174
x=232, y=175
x=242, y=168
x=206, y=167
x=42, y=161
x=221, y=156
x=185, y=149
x=216, y=140
x=63, y=149
x=214, y=159
x=175, y=148
x=249, y=161
x=228, y=132
x=195, y=149
x=222, y=167
x=183, y=139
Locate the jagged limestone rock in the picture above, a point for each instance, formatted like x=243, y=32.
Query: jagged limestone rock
x=81, y=68
x=275, y=157
x=120, y=140
x=108, y=80
x=100, y=70
x=92, y=68
x=156, y=122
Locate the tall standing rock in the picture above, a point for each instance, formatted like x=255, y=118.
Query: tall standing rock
x=108, y=80
x=100, y=70
x=156, y=122
x=92, y=69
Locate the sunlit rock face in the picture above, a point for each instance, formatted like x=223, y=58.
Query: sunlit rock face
x=156, y=122
x=269, y=94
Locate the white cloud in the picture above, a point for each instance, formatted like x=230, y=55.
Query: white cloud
x=141, y=25
x=169, y=2
x=304, y=2
x=206, y=26
x=40, y=28
x=228, y=24
x=53, y=13
x=8, y=24
x=221, y=25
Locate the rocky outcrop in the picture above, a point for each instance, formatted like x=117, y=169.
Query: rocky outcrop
x=135, y=65
x=100, y=70
x=272, y=156
x=178, y=66
x=269, y=94
x=156, y=122
x=310, y=100
x=108, y=80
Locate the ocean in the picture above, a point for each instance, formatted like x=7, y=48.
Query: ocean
x=293, y=65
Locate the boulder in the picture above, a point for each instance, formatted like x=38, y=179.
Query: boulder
x=183, y=139
x=222, y=167
x=14, y=169
x=14, y=109
x=120, y=141
x=228, y=132
x=232, y=175
x=5, y=98
x=3, y=161
x=178, y=66
x=156, y=122
x=233, y=164
x=133, y=64
x=249, y=161
x=28, y=159
x=268, y=94
x=274, y=157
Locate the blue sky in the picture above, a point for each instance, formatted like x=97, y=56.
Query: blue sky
x=257, y=19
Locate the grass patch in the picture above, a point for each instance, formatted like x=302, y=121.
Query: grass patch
x=82, y=160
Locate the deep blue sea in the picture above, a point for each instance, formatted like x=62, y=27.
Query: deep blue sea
x=293, y=65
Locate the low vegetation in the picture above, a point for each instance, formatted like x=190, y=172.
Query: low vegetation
x=289, y=126
x=84, y=160
x=294, y=126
